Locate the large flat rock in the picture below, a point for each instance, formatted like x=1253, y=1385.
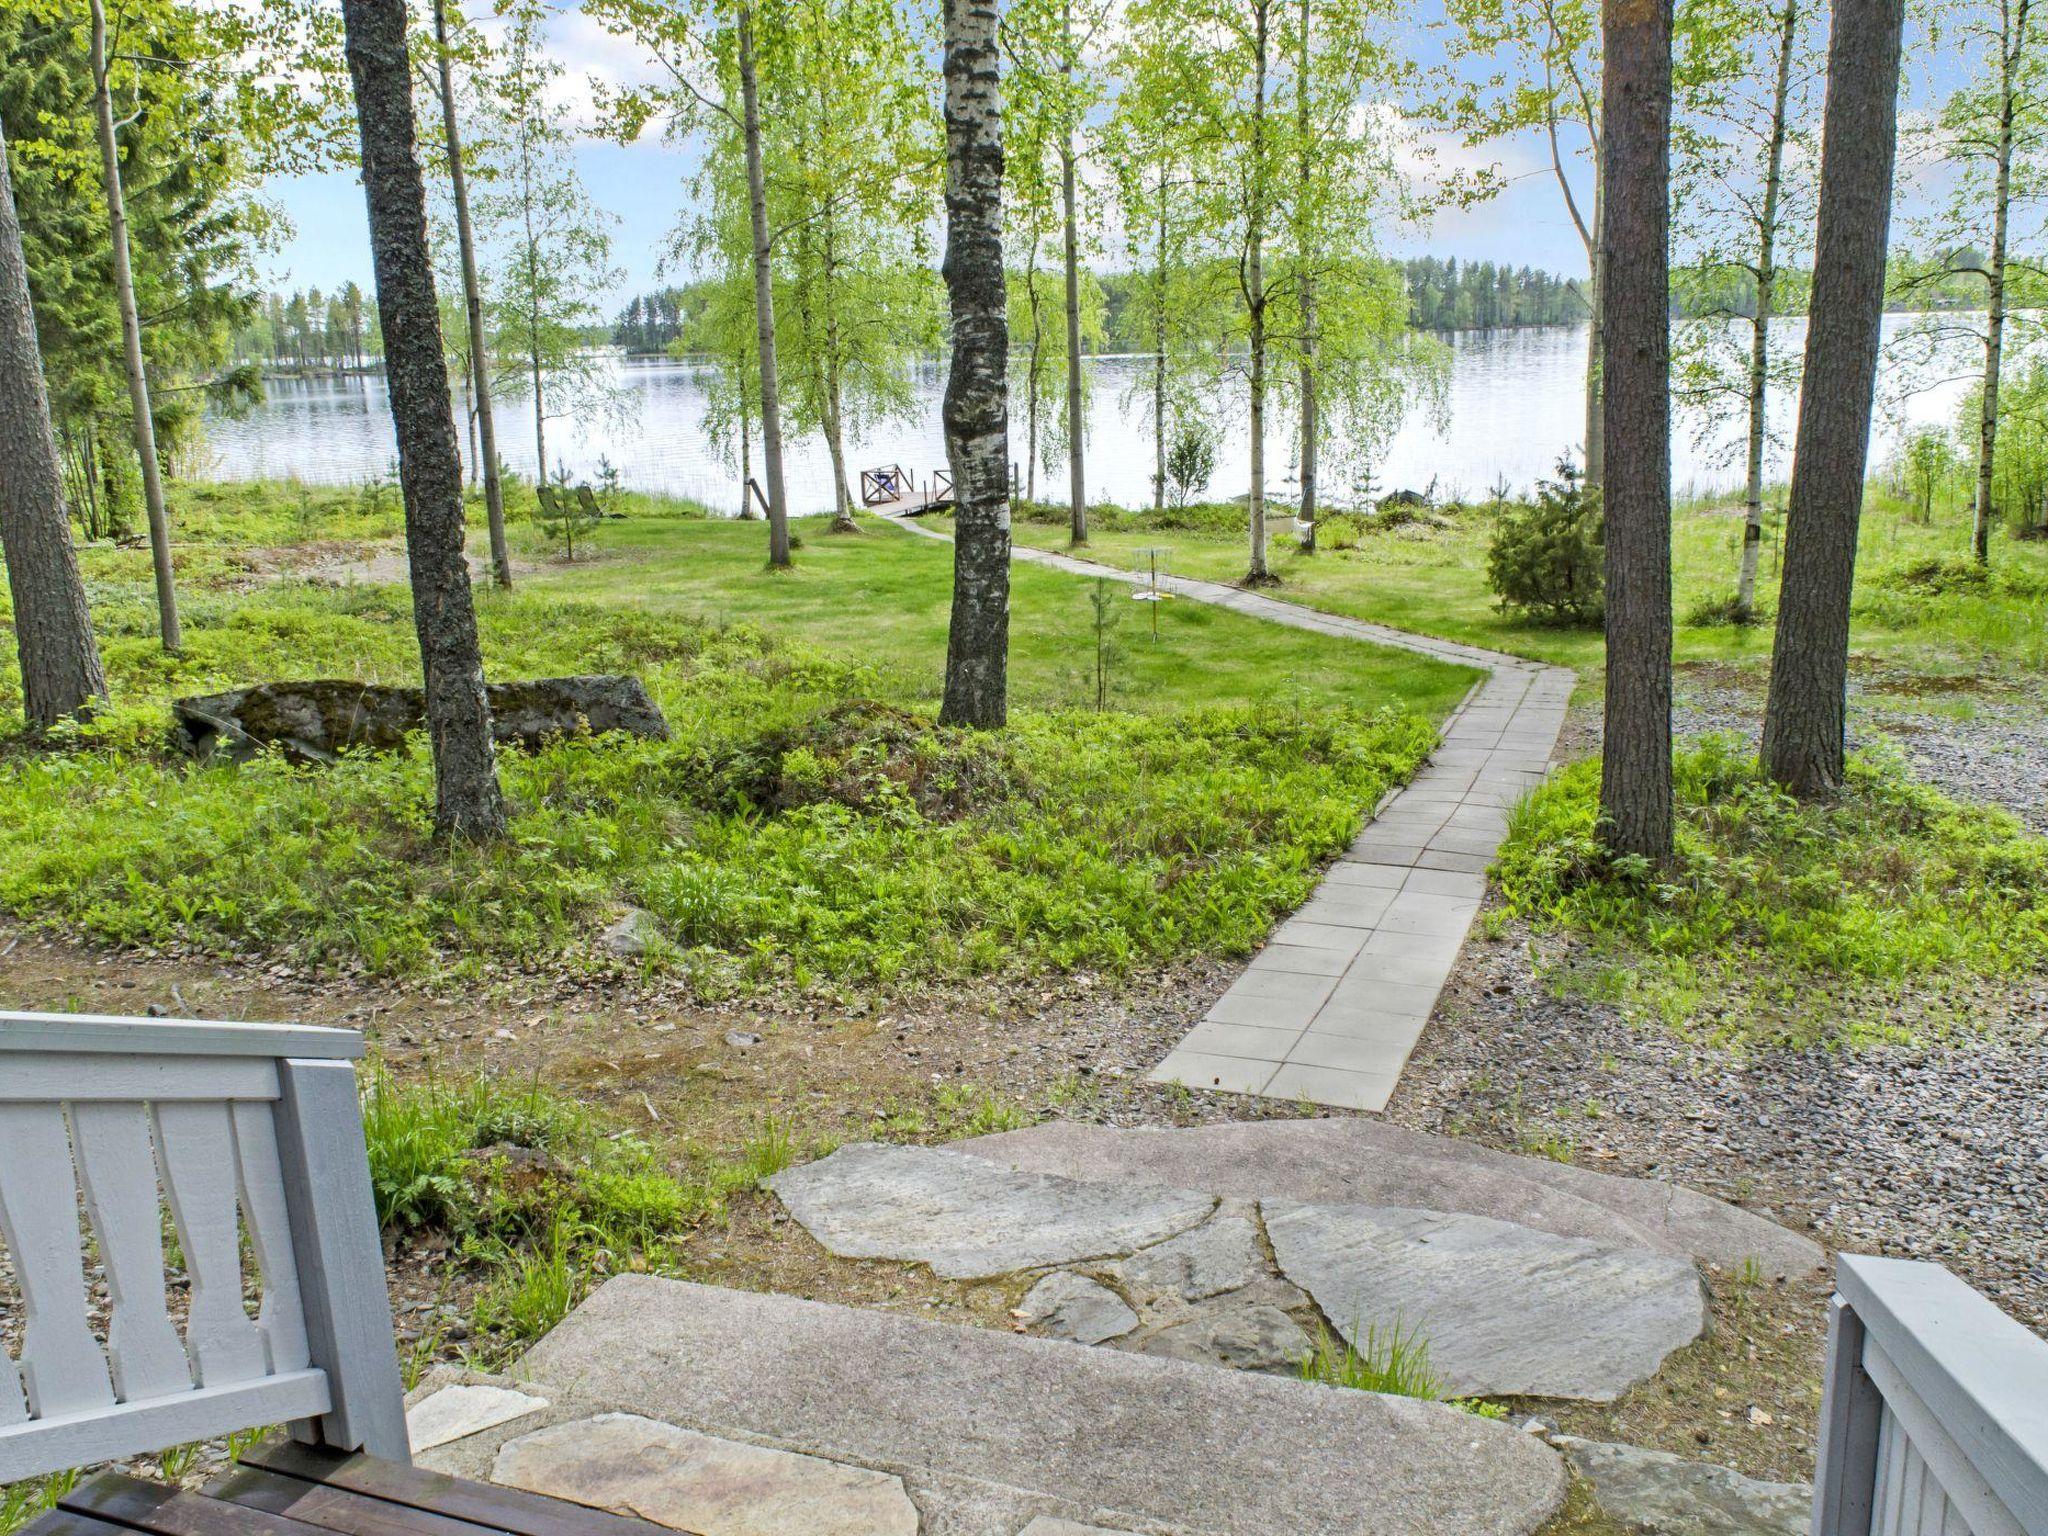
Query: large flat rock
x=1504, y=1309
x=1665, y=1495
x=969, y=1218
x=990, y=1430
x=638, y=1466
x=1368, y=1162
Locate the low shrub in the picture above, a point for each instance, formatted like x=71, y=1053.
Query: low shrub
x=1545, y=561
x=1722, y=610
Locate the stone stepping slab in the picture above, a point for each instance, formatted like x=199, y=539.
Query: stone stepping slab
x=1504, y=1308
x=1369, y=1162
x=990, y=1432
x=1664, y=1495
x=1504, y=1311
x=970, y=1219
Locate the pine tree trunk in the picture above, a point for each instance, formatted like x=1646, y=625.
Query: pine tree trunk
x=2010, y=49
x=1804, y=744
x=60, y=664
x=1077, y=425
x=473, y=303
x=168, y=627
x=976, y=410
x=1635, y=778
x=1255, y=302
x=467, y=799
x=1766, y=311
x=764, y=296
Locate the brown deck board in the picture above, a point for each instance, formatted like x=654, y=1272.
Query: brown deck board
x=334, y=1509
x=141, y=1505
x=64, y=1522
x=511, y=1510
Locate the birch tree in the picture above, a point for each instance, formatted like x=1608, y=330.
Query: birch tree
x=1535, y=65
x=1744, y=188
x=53, y=640
x=976, y=409
x=142, y=420
x=556, y=240
x=479, y=373
x=1992, y=134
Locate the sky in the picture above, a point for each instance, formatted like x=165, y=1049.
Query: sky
x=645, y=185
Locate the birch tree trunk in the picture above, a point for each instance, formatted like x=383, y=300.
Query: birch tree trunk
x=168, y=628
x=1635, y=777
x=1159, y=360
x=835, y=410
x=1310, y=426
x=60, y=663
x=976, y=410
x=467, y=799
x=1077, y=425
x=1255, y=301
x=2011, y=46
x=473, y=303
x=1766, y=311
x=764, y=295
x=1804, y=740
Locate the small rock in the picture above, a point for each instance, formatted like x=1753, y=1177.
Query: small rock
x=1068, y=1306
x=632, y=936
x=740, y=1039
x=454, y=1413
x=1664, y=1495
x=1220, y=1255
x=1255, y=1338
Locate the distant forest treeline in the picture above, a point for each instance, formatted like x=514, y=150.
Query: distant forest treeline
x=309, y=331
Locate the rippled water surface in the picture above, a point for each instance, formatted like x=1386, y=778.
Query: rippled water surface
x=1515, y=405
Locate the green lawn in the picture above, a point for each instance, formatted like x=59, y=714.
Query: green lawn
x=808, y=824
x=1434, y=581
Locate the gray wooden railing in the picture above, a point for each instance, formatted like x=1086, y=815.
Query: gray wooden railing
x=249, y=1138
x=1935, y=1421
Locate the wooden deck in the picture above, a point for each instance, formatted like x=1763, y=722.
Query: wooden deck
x=285, y=1489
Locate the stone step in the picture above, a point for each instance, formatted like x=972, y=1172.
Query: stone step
x=1369, y=1162
x=989, y=1433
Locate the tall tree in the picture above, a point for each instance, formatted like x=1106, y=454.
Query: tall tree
x=472, y=299
x=1805, y=726
x=467, y=800
x=558, y=239
x=1549, y=86
x=1745, y=110
x=691, y=42
x=976, y=409
x=1993, y=135
x=1635, y=760
x=168, y=627
x=60, y=663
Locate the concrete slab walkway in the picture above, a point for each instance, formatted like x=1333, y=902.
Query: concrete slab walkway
x=1330, y=1009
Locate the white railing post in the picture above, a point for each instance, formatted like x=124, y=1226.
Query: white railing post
x=1852, y=1412
x=340, y=1259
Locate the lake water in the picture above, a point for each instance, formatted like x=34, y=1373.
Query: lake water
x=1515, y=405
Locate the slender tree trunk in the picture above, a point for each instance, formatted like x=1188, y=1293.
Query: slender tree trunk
x=1077, y=424
x=1255, y=302
x=746, y=457
x=2010, y=50
x=764, y=296
x=60, y=664
x=835, y=412
x=172, y=633
x=1766, y=310
x=1159, y=360
x=1635, y=777
x=1804, y=743
x=1310, y=426
x=486, y=425
x=467, y=799
x=976, y=410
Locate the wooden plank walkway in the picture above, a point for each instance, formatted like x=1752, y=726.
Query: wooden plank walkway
x=285, y=1489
